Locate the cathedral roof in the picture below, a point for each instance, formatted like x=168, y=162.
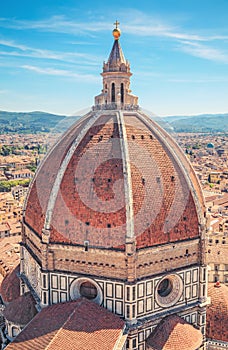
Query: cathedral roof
x=217, y=312
x=116, y=56
x=115, y=176
x=174, y=333
x=79, y=324
x=21, y=310
x=10, y=286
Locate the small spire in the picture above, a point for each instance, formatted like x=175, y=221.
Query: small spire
x=116, y=32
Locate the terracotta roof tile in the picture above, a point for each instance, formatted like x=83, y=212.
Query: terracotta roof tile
x=10, y=256
x=39, y=193
x=91, y=198
x=10, y=286
x=217, y=312
x=21, y=310
x=79, y=324
x=174, y=333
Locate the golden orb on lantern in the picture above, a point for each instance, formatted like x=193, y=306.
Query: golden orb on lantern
x=116, y=32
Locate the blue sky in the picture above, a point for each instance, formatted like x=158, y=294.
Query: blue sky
x=52, y=52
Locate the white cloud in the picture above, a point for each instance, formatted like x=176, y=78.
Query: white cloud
x=160, y=31
x=58, y=24
x=27, y=51
x=136, y=23
x=203, y=51
x=199, y=80
x=61, y=72
x=11, y=43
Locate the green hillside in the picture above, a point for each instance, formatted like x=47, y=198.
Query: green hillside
x=199, y=123
x=37, y=122
x=33, y=122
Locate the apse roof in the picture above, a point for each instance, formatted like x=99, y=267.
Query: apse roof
x=174, y=333
x=21, y=310
x=80, y=324
x=10, y=286
x=217, y=312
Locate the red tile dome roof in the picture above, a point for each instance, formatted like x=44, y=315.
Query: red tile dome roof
x=10, y=286
x=21, y=310
x=174, y=333
x=79, y=324
x=115, y=176
x=217, y=312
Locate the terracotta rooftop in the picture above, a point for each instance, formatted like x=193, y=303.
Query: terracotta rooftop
x=174, y=333
x=217, y=312
x=10, y=286
x=88, y=185
x=21, y=310
x=9, y=258
x=4, y=227
x=211, y=198
x=79, y=324
x=221, y=201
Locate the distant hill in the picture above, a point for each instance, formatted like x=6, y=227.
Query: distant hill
x=33, y=122
x=198, y=123
x=36, y=122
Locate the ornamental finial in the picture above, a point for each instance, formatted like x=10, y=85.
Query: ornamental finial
x=116, y=32
x=116, y=24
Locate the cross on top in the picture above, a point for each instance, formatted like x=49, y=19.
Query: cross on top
x=116, y=24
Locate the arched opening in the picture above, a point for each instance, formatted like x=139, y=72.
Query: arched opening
x=87, y=288
x=15, y=331
x=122, y=92
x=113, y=92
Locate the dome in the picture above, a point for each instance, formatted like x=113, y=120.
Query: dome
x=10, y=286
x=174, y=333
x=114, y=176
x=210, y=145
x=21, y=310
x=217, y=312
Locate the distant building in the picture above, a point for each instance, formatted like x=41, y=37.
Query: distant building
x=18, y=192
x=4, y=230
x=214, y=177
x=19, y=174
x=220, y=151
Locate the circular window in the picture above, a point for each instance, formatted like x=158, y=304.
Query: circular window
x=165, y=287
x=87, y=288
x=169, y=290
